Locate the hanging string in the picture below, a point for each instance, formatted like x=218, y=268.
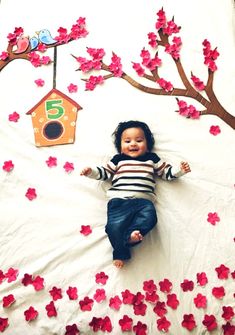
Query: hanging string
x=54, y=67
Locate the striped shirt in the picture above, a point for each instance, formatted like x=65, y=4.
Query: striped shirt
x=134, y=177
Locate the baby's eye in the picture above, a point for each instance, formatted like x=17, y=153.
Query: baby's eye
x=139, y=141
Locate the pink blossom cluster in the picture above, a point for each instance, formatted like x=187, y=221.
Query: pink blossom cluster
x=78, y=30
x=174, y=48
x=186, y=110
x=12, y=37
x=168, y=27
x=36, y=61
x=4, y=55
x=199, y=85
x=166, y=85
x=87, y=65
x=148, y=62
x=116, y=65
x=210, y=55
x=152, y=39
x=93, y=81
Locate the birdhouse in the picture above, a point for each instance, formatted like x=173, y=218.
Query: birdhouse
x=54, y=119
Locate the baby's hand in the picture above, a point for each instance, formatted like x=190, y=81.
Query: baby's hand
x=86, y=171
x=184, y=167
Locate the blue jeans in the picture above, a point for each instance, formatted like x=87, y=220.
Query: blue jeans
x=125, y=216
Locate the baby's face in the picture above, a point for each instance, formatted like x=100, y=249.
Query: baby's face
x=133, y=142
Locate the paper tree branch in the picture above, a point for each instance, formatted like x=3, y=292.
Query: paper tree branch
x=192, y=88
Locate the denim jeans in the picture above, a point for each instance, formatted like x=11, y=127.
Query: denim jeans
x=125, y=216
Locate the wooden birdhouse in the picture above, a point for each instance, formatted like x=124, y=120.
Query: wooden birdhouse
x=54, y=119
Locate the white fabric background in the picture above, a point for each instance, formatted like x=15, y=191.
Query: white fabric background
x=42, y=237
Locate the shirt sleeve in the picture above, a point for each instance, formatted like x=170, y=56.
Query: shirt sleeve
x=166, y=171
x=104, y=172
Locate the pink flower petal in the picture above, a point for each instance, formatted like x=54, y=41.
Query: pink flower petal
x=11, y=275
x=31, y=194
x=39, y=82
x=72, y=88
x=14, y=117
x=215, y=130
x=213, y=218
x=68, y=167
x=8, y=166
x=101, y=278
x=8, y=300
x=86, y=230
x=51, y=162
x=30, y=314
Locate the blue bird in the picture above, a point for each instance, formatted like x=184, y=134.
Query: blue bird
x=33, y=42
x=45, y=37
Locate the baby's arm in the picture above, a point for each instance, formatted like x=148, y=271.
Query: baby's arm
x=184, y=167
x=86, y=171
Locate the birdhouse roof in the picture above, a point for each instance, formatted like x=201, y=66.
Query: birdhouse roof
x=54, y=90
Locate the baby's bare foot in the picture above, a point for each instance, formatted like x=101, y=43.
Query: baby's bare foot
x=135, y=236
x=118, y=263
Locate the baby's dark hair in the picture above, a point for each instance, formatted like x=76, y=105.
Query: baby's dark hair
x=133, y=124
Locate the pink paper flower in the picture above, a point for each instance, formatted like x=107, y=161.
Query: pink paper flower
x=116, y=65
x=72, y=293
x=68, y=167
x=215, y=130
x=149, y=286
x=51, y=162
x=11, y=275
x=39, y=82
x=30, y=314
x=4, y=55
x=140, y=328
x=200, y=301
x=8, y=300
x=209, y=322
x=38, y=283
x=86, y=230
x=71, y=330
x=45, y=60
x=51, y=310
x=14, y=117
x=163, y=324
x=152, y=39
x=172, y=301
x=187, y=285
x=93, y=81
x=41, y=47
x=3, y=324
x=99, y=295
x=138, y=68
x=27, y=279
x=34, y=59
x=106, y=325
x=72, y=88
x=86, y=304
x=199, y=85
x=140, y=309
x=101, y=278
x=165, y=285
x=127, y=297
x=188, y=322
x=160, y=308
x=222, y=271
x=31, y=194
x=96, y=324
x=8, y=166
x=228, y=329
x=126, y=323
x=213, y=218
x=218, y=292
x=228, y=313
x=166, y=85
x=152, y=297
x=56, y=293
x=2, y=276
x=115, y=302
x=202, y=279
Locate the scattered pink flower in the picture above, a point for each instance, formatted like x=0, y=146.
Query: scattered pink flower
x=2, y=276
x=72, y=293
x=96, y=323
x=140, y=309
x=218, y=292
x=126, y=323
x=101, y=278
x=103, y=324
x=228, y=329
x=34, y=59
x=188, y=111
x=165, y=285
x=86, y=304
x=215, y=130
x=27, y=279
x=138, y=298
x=115, y=303
x=197, y=83
x=31, y=194
x=3, y=324
x=72, y=88
x=4, y=55
x=232, y=275
x=152, y=40
x=38, y=283
x=200, y=301
x=14, y=117
x=71, y=330
x=188, y=322
x=39, y=82
x=106, y=325
x=202, y=279
x=56, y=293
x=152, y=297
x=187, y=285
x=127, y=297
x=209, y=322
x=85, y=230
x=68, y=167
x=11, y=275
x=96, y=54
x=51, y=310
x=93, y=81
x=213, y=218
x=8, y=166
x=140, y=328
x=99, y=295
x=8, y=300
x=228, y=313
x=30, y=314
x=149, y=286
x=163, y=324
x=160, y=309
x=172, y=301
x=51, y=161
x=222, y=271
x=45, y=60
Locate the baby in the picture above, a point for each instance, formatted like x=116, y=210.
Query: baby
x=131, y=211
